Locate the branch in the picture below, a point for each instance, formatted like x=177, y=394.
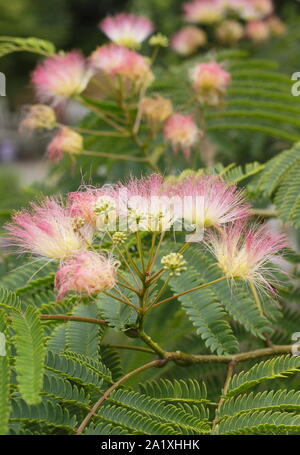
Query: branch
x=62, y=317
x=89, y=416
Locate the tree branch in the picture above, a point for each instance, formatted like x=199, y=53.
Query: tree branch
x=89, y=416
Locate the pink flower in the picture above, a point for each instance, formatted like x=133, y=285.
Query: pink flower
x=61, y=76
x=245, y=253
x=187, y=40
x=229, y=32
x=38, y=116
x=218, y=203
x=258, y=31
x=277, y=27
x=127, y=29
x=97, y=206
x=262, y=8
x=113, y=62
x=146, y=205
x=209, y=82
x=182, y=132
x=65, y=141
x=48, y=230
x=204, y=11
x=86, y=272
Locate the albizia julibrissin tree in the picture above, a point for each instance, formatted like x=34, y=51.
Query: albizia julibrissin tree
x=171, y=280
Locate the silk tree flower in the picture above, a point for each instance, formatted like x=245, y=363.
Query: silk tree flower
x=258, y=31
x=65, y=141
x=229, y=32
x=48, y=230
x=38, y=116
x=112, y=63
x=263, y=8
x=187, y=40
x=204, y=11
x=156, y=109
x=97, y=206
x=209, y=202
x=245, y=253
x=87, y=272
x=181, y=132
x=145, y=205
x=127, y=29
x=61, y=76
x=210, y=81
x=277, y=27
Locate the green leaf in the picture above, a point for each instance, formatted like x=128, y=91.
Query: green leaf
x=5, y=373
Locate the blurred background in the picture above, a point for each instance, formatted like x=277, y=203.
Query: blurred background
x=73, y=24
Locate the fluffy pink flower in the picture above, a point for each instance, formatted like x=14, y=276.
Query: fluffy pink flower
x=262, y=8
x=245, y=253
x=146, y=205
x=182, y=132
x=97, y=206
x=187, y=40
x=204, y=11
x=258, y=31
x=218, y=203
x=209, y=82
x=86, y=272
x=112, y=62
x=65, y=141
x=127, y=29
x=48, y=230
x=60, y=77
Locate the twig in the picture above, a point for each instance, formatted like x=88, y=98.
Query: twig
x=89, y=416
x=63, y=317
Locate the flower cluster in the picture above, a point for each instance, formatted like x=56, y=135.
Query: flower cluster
x=67, y=233
x=232, y=21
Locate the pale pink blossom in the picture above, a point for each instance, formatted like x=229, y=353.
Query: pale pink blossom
x=181, y=132
x=61, y=76
x=245, y=253
x=48, y=230
x=219, y=203
x=204, y=11
x=114, y=62
x=229, y=32
x=258, y=31
x=86, y=272
x=277, y=27
x=127, y=29
x=187, y=40
x=210, y=81
x=65, y=141
x=38, y=116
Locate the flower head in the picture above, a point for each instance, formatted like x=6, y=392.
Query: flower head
x=38, y=116
x=187, y=40
x=209, y=201
x=210, y=82
x=159, y=40
x=86, y=272
x=245, y=253
x=204, y=11
x=277, y=27
x=48, y=230
x=127, y=30
x=65, y=141
x=174, y=262
x=114, y=62
x=156, y=109
x=258, y=31
x=182, y=132
x=229, y=32
x=61, y=76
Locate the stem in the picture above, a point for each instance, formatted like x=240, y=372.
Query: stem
x=140, y=249
x=100, y=114
x=156, y=348
x=161, y=291
x=133, y=348
x=256, y=298
x=123, y=301
x=265, y=213
x=62, y=317
x=130, y=288
x=100, y=133
x=89, y=416
x=190, y=290
x=230, y=371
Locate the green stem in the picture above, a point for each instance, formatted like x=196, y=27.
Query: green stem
x=89, y=416
x=201, y=286
x=256, y=298
x=115, y=156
